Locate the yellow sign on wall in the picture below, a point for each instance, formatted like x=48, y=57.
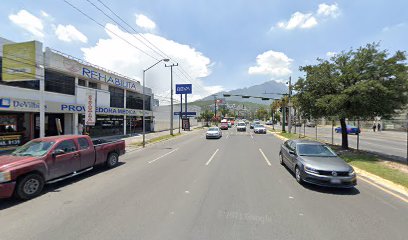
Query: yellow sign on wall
x=21, y=61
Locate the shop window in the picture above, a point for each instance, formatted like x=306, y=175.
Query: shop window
x=135, y=101
x=116, y=97
x=59, y=83
x=81, y=82
x=93, y=85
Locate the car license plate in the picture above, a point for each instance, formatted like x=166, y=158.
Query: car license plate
x=335, y=181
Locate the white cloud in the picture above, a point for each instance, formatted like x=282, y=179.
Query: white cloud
x=298, y=20
x=145, y=22
x=274, y=64
x=330, y=54
x=29, y=22
x=44, y=13
x=328, y=10
x=69, y=33
x=310, y=20
x=115, y=54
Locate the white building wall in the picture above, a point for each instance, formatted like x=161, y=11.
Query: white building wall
x=162, y=117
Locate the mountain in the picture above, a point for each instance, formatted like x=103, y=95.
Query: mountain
x=256, y=90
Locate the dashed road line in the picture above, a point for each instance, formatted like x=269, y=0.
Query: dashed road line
x=211, y=158
x=266, y=159
x=152, y=161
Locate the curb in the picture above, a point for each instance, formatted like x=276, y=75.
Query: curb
x=397, y=190
x=163, y=140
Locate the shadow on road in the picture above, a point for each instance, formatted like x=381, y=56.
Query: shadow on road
x=334, y=191
x=57, y=187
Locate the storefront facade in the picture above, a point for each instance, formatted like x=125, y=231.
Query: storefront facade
x=119, y=102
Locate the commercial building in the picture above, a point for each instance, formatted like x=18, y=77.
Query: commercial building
x=68, y=83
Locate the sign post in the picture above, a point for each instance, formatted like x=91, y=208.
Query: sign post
x=184, y=89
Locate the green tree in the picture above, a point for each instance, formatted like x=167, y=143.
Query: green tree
x=360, y=84
x=261, y=113
x=206, y=115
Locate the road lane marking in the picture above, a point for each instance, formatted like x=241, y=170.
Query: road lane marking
x=211, y=158
x=266, y=159
x=251, y=136
x=227, y=136
x=162, y=156
x=385, y=190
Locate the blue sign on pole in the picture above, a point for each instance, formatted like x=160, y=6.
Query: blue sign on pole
x=188, y=113
x=184, y=88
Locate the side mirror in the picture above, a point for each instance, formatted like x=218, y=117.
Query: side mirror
x=291, y=152
x=58, y=152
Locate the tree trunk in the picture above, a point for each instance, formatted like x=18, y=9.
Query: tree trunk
x=344, y=136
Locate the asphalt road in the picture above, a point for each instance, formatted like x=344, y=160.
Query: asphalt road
x=392, y=143
x=193, y=188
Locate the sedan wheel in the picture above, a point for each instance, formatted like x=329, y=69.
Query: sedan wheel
x=297, y=175
x=281, y=159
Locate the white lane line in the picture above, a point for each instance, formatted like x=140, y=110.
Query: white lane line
x=162, y=156
x=211, y=158
x=266, y=159
x=251, y=136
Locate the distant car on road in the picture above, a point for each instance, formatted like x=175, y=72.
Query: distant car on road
x=315, y=163
x=310, y=124
x=241, y=126
x=268, y=123
x=350, y=129
x=255, y=122
x=213, y=132
x=224, y=125
x=259, y=128
x=229, y=124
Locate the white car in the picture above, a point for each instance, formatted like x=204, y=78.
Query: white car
x=259, y=128
x=213, y=132
x=241, y=126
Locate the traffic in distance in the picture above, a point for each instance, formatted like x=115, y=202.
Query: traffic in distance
x=312, y=162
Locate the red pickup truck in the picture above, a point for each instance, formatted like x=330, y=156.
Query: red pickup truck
x=45, y=160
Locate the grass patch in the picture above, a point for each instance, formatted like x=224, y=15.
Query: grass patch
x=156, y=139
x=372, y=165
x=289, y=135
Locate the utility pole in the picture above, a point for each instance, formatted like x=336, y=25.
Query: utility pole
x=290, y=106
x=215, y=106
x=171, y=95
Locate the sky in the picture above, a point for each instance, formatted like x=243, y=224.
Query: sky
x=218, y=45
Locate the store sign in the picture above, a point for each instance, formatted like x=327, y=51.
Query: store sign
x=184, y=88
x=9, y=141
x=21, y=61
x=25, y=105
x=100, y=76
x=90, y=109
x=20, y=105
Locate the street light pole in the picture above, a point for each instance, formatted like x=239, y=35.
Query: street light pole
x=171, y=97
x=143, y=90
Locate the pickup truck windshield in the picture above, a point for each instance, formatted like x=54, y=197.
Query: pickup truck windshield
x=33, y=148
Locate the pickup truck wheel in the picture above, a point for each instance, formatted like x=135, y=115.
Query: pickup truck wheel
x=29, y=186
x=113, y=160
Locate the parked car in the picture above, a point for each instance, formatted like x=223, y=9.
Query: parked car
x=314, y=162
x=25, y=171
x=241, y=127
x=350, y=129
x=259, y=128
x=213, y=132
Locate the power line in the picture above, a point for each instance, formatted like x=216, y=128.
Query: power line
x=86, y=15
